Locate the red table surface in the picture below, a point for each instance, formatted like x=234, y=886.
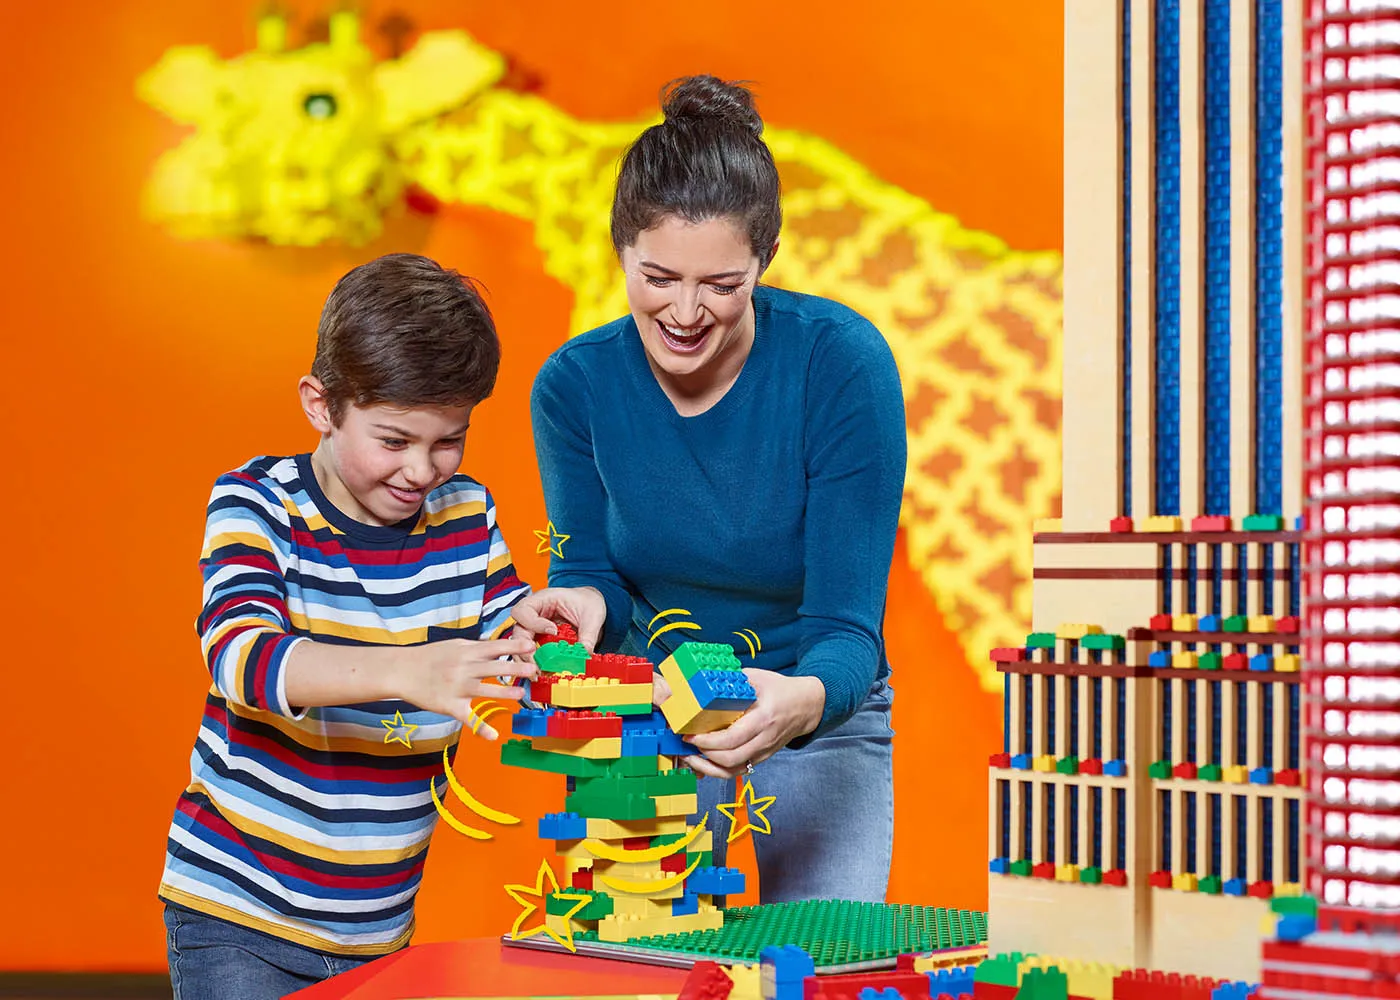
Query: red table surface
x=483, y=967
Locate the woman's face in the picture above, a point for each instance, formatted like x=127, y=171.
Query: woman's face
x=690, y=287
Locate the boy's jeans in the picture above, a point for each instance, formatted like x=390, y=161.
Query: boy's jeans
x=212, y=959
x=833, y=821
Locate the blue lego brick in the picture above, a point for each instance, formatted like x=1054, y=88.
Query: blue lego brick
x=1115, y=768
x=1233, y=991
x=1209, y=623
x=1261, y=661
x=530, y=722
x=563, y=826
x=640, y=743
x=1159, y=658
x=954, y=982
x=722, y=690
x=673, y=746
x=1295, y=926
x=1021, y=761
x=1000, y=866
x=1234, y=887
x=1268, y=256
x=871, y=993
x=785, y=968
x=713, y=881
x=1166, y=402
x=683, y=906
x=1216, y=263
x=1261, y=776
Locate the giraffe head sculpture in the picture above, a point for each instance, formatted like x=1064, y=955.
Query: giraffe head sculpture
x=295, y=145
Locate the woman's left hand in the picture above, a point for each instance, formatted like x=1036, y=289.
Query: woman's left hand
x=786, y=708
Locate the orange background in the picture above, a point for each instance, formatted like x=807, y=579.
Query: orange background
x=140, y=367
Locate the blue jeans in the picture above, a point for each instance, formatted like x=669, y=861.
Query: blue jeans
x=212, y=959
x=833, y=821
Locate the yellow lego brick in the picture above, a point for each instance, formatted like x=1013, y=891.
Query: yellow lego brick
x=572, y=850
x=1160, y=523
x=970, y=955
x=675, y=805
x=628, y=871
x=704, y=842
x=1289, y=663
x=613, y=928
x=1288, y=889
x=1066, y=873
x=1185, y=661
x=1047, y=525
x=590, y=692
x=605, y=747
x=1184, y=623
x=613, y=829
x=681, y=708
x=747, y=980
x=1184, y=881
x=639, y=906
x=1260, y=623
x=1073, y=630
x=1093, y=980
x=711, y=719
x=1236, y=774
x=1045, y=762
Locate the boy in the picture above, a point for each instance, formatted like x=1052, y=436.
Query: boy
x=356, y=599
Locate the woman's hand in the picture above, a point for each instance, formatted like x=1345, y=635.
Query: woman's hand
x=786, y=708
x=583, y=607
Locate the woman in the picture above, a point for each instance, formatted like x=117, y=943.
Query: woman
x=738, y=452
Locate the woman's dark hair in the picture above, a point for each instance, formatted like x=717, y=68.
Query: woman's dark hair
x=707, y=160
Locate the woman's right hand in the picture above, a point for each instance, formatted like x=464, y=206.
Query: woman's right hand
x=583, y=607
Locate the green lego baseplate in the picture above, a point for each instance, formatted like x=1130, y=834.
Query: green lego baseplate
x=838, y=934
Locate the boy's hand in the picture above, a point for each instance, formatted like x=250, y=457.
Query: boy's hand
x=445, y=676
x=583, y=607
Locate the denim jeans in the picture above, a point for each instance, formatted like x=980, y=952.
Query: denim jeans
x=213, y=959
x=833, y=821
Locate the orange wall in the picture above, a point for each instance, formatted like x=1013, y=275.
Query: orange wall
x=139, y=368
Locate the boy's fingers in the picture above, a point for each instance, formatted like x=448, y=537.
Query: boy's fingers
x=507, y=647
x=514, y=668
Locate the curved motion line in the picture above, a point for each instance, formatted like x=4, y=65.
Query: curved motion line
x=609, y=853
x=666, y=613
x=750, y=637
x=453, y=821
x=666, y=628
x=623, y=885
x=471, y=802
x=492, y=708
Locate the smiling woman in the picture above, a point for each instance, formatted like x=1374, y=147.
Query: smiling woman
x=753, y=477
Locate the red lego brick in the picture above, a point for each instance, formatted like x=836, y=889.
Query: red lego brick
x=1288, y=624
x=542, y=688
x=1288, y=776
x=1115, y=876
x=1045, y=869
x=911, y=985
x=999, y=760
x=627, y=669
x=1091, y=765
x=636, y=843
x=582, y=879
x=1160, y=880
x=675, y=863
x=1260, y=890
x=582, y=725
x=1120, y=525
x=1210, y=522
x=993, y=991
x=1186, y=769
x=1235, y=661
x=566, y=633
x=1008, y=654
x=1160, y=623
x=706, y=981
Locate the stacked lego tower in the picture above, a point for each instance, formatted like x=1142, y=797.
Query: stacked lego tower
x=625, y=836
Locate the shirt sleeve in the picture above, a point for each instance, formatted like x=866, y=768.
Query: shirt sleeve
x=575, y=501
x=503, y=589
x=244, y=627
x=855, y=451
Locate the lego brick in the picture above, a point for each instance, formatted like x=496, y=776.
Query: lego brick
x=601, y=748
x=715, y=881
x=564, y=632
x=624, y=669
x=530, y=722
x=598, y=828
x=561, y=658
x=596, y=692
x=692, y=657
x=622, y=928
x=521, y=753
x=1076, y=631
x=600, y=906
x=573, y=725
x=562, y=826
x=720, y=690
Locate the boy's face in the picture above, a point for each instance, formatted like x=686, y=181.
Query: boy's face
x=380, y=462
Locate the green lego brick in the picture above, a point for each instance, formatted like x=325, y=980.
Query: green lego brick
x=1209, y=661
x=1306, y=905
x=678, y=781
x=1102, y=642
x=637, y=709
x=706, y=859
x=1210, y=885
x=1022, y=867
x=1091, y=876
x=693, y=657
x=1040, y=640
x=1067, y=765
x=1209, y=772
x=833, y=932
x=600, y=906
x=1160, y=769
x=632, y=767
x=1044, y=984
x=667, y=838
x=520, y=753
x=1236, y=623
x=602, y=805
x=1263, y=522
x=562, y=658
x=999, y=970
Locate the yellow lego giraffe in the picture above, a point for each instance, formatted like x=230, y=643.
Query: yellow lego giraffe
x=315, y=144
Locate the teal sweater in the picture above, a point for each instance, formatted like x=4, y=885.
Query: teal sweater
x=773, y=511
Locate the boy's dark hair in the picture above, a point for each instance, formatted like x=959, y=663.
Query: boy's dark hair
x=404, y=330
x=707, y=160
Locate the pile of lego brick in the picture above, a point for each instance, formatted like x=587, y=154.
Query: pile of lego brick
x=625, y=836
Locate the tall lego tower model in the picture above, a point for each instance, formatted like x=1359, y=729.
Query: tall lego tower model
x=1147, y=803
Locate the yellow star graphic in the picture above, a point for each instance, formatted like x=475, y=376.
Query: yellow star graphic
x=551, y=540
x=519, y=892
x=753, y=815
x=398, y=730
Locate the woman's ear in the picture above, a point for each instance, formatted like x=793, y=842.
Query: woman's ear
x=771, y=254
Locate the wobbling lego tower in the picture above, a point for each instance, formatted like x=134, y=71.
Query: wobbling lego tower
x=1148, y=800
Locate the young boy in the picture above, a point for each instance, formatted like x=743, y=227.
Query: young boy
x=356, y=599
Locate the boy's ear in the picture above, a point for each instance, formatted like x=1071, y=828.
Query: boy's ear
x=314, y=404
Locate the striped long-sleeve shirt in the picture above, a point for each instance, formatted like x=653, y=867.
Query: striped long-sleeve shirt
x=313, y=824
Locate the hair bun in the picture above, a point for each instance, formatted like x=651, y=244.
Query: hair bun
x=708, y=98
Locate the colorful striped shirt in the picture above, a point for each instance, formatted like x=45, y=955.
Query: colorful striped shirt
x=313, y=824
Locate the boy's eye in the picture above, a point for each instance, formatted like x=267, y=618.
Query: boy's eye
x=454, y=442
x=394, y=442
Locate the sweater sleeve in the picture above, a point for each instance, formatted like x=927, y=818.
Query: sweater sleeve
x=244, y=627
x=855, y=453
x=575, y=500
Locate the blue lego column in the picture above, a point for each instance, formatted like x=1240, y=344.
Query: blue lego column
x=1125, y=91
x=1217, y=256
x=1268, y=256
x=1166, y=111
